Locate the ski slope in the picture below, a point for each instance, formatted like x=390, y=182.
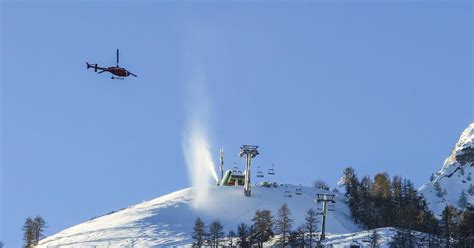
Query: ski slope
x=168, y=220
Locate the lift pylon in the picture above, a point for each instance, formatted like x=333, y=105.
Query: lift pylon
x=251, y=152
x=324, y=198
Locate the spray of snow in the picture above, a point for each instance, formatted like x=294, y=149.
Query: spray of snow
x=196, y=148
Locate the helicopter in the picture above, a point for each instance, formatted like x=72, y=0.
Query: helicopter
x=119, y=72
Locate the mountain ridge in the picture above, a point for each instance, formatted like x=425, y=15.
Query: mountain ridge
x=454, y=178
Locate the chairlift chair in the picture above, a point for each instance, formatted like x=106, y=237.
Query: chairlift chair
x=271, y=171
x=299, y=190
x=259, y=172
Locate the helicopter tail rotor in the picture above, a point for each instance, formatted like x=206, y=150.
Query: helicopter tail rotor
x=117, y=57
x=91, y=66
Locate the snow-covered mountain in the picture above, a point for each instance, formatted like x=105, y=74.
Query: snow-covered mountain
x=456, y=177
x=168, y=220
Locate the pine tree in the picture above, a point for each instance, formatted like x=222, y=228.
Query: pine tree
x=409, y=208
x=374, y=239
x=438, y=189
x=215, y=232
x=231, y=236
x=349, y=180
x=243, y=232
x=429, y=225
x=463, y=200
x=403, y=238
x=366, y=203
x=310, y=224
x=33, y=231
x=263, y=220
x=470, y=191
x=381, y=193
x=284, y=223
x=450, y=219
x=263, y=224
x=39, y=226
x=199, y=232
x=381, y=185
x=29, y=233
x=466, y=229
x=351, y=184
x=397, y=199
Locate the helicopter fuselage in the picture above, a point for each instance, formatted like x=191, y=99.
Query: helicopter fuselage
x=118, y=71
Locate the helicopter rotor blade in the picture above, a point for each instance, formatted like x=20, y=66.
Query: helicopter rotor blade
x=117, y=57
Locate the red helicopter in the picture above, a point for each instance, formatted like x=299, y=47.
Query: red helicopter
x=118, y=71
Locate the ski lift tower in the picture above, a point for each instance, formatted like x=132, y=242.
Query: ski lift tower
x=324, y=198
x=251, y=152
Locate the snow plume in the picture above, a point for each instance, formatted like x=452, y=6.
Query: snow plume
x=196, y=148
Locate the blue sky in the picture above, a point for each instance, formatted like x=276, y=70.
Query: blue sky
x=318, y=85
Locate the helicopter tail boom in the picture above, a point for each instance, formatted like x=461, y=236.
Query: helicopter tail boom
x=95, y=67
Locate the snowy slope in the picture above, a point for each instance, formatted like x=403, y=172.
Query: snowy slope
x=168, y=220
x=456, y=175
x=363, y=238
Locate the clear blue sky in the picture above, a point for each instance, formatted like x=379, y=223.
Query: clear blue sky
x=318, y=85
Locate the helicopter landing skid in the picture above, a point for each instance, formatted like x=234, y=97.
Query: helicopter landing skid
x=119, y=78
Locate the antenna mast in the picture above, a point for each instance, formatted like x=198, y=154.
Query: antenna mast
x=222, y=162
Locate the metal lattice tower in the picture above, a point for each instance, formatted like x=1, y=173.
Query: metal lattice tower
x=251, y=152
x=324, y=198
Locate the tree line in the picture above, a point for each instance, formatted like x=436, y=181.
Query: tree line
x=374, y=203
x=264, y=227
x=394, y=202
